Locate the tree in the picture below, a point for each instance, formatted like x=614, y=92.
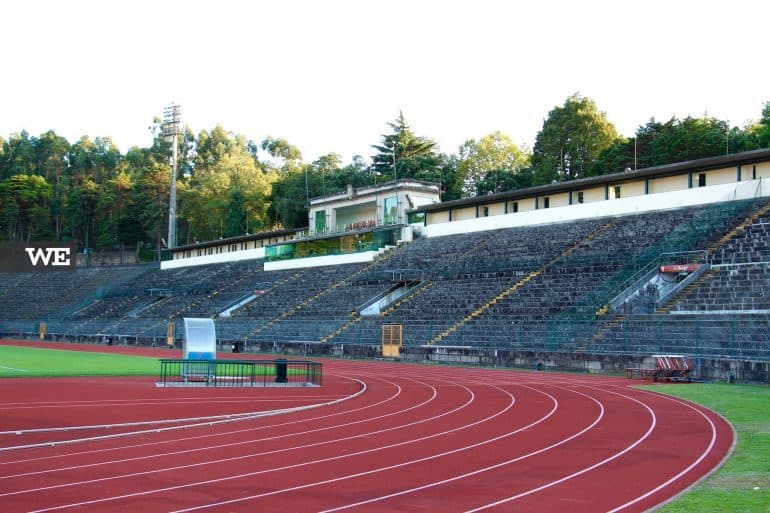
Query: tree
x=81, y=210
x=494, y=163
x=572, y=137
x=228, y=193
x=51, y=153
x=113, y=206
x=761, y=130
x=288, y=206
x=675, y=141
x=151, y=196
x=288, y=157
x=356, y=174
x=22, y=206
x=402, y=154
x=18, y=155
x=326, y=166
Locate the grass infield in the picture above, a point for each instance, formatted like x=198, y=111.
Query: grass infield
x=742, y=485
x=19, y=362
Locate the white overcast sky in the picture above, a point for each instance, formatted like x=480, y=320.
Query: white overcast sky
x=328, y=74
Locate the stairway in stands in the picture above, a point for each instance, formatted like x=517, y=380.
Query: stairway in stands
x=510, y=290
x=739, y=229
x=713, y=248
x=690, y=289
x=228, y=286
x=687, y=291
x=357, y=318
x=347, y=279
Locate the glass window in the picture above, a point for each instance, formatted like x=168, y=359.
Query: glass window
x=515, y=207
x=546, y=202
x=617, y=191
x=580, y=197
x=416, y=218
x=391, y=210
x=702, y=180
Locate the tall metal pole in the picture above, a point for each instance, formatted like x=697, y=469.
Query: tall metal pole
x=172, y=197
x=172, y=127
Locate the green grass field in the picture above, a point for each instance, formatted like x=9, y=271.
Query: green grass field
x=33, y=362
x=37, y=362
x=742, y=485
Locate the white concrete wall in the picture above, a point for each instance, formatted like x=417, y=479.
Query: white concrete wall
x=234, y=256
x=299, y=263
x=623, y=206
x=763, y=170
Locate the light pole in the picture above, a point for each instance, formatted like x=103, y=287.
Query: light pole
x=172, y=127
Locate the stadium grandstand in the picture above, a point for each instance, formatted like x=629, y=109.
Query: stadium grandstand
x=593, y=275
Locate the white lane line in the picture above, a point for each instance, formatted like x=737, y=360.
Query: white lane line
x=484, y=469
x=653, y=423
x=219, y=434
x=302, y=464
x=150, y=402
x=219, y=419
x=703, y=456
x=208, y=448
x=165, y=400
x=390, y=467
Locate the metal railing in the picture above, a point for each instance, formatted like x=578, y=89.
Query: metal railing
x=240, y=373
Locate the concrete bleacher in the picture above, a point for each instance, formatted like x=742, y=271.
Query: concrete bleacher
x=738, y=280
x=55, y=295
x=534, y=288
x=725, y=312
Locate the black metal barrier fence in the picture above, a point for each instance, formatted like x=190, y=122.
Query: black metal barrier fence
x=240, y=373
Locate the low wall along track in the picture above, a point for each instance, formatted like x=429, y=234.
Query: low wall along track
x=376, y=437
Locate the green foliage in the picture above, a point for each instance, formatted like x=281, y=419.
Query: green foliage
x=98, y=197
x=228, y=192
x=402, y=154
x=356, y=173
x=492, y=164
x=324, y=176
x=572, y=137
x=151, y=193
x=18, y=155
x=282, y=150
x=290, y=198
x=22, y=205
x=732, y=488
x=676, y=141
x=81, y=210
x=761, y=130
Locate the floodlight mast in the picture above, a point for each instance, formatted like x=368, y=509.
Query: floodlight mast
x=172, y=127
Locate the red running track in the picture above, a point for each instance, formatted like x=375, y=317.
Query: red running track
x=379, y=437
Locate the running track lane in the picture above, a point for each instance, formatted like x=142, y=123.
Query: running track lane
x=418, y=439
